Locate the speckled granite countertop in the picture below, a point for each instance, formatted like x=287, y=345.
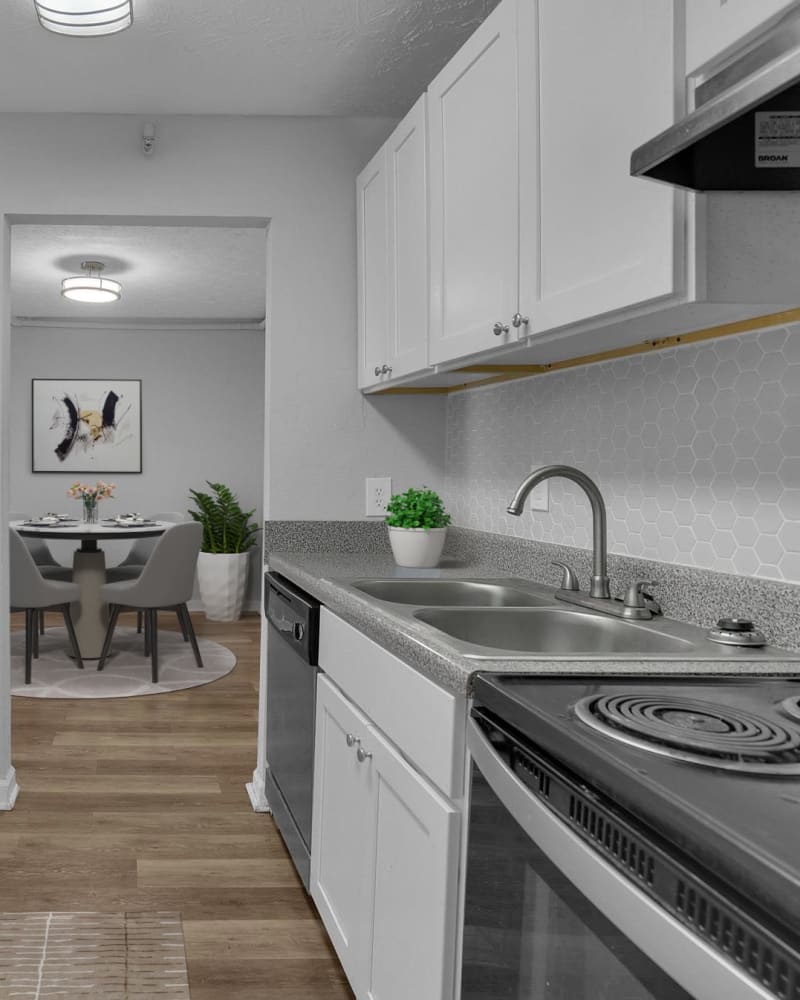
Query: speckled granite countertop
x=326, y=576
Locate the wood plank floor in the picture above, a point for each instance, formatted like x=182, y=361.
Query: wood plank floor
x=140, y=804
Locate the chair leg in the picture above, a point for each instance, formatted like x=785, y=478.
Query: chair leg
x=31, y=624
x=72, y=637
x=146, y=632
x=139, y=624
x=35, y=632
x=153, y=615
x=114, y=610
x=182, y=623
x=188, y=629
x=41, y=622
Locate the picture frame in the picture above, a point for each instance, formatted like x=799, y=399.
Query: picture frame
x=88, y=425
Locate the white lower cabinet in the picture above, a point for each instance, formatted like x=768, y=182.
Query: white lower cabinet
x=384, y=859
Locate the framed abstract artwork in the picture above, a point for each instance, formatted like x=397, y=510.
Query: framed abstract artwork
x=87, y=425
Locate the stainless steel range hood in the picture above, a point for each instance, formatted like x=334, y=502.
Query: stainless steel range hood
x=744, y=134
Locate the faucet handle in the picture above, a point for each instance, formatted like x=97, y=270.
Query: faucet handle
x=636, y=596
x=569, y=578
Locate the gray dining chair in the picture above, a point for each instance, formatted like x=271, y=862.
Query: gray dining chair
x=141, y=550
x=32, y=593
x=48, y=565
x=136, y=560
x=165, y=584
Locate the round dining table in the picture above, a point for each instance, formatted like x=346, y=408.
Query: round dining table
x=89, y=570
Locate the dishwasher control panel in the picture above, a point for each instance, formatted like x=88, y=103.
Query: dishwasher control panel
x=293, y=614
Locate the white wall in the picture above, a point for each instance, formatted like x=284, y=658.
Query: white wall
x=696, y=451
x=202, y=418
x=299, y=173
x=322, y=439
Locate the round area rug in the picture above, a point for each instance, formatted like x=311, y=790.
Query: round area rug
x=127, y=671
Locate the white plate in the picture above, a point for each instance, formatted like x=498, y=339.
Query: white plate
x=131, y=524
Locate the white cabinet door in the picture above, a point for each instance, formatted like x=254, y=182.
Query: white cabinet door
x=408, y=243
x=414, y=882
x=473, y=159
x=605, y=83
x=714, y=26
x=372, y=214
x=341, y=822
x=384, y=859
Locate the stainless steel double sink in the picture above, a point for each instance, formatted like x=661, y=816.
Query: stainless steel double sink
x=518, y=619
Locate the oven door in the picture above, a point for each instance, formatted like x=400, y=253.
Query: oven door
x=546, y=918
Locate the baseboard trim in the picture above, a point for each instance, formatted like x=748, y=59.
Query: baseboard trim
x=255, y=789
x=9, y=789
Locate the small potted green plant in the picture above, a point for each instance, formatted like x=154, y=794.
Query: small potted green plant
x=417, y=524
x=228, y=536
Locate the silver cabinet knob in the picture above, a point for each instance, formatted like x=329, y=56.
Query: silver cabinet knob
x=377, y=369
x=386, y=370
x=518, y=320
x=351, y=740
x=362, y=755
x=499, y=329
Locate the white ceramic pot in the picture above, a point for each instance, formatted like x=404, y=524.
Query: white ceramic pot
x=420, y=547
x=221, y=578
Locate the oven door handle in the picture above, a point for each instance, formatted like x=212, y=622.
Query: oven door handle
x=700, y=970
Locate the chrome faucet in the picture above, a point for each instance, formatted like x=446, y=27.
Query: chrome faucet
x=599, y=587
x=637, y=603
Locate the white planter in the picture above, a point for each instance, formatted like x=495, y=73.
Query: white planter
x=221, y=578
x=419, y=547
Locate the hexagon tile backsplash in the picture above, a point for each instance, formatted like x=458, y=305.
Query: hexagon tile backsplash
x=695, y=449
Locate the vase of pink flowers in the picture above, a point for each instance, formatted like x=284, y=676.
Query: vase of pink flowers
x=91, y=496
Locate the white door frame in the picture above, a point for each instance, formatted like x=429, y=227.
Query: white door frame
x=9, y=788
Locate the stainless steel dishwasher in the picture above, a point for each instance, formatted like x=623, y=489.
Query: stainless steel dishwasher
x=292, y=644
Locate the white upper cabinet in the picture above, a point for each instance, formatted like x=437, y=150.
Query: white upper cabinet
x=542, y=248
x=715, y=26
x=474, y=192
x=597, y=81
x=408, y=243
x=534, y=214
x=392, y=214
x=372, y=215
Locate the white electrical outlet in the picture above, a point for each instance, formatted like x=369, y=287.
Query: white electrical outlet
x=379, y=492
x=539, y=496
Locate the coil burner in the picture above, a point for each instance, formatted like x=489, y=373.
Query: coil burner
x=791, y=707
x=698, y=732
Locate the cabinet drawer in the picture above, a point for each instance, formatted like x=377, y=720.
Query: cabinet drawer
x=423, y=720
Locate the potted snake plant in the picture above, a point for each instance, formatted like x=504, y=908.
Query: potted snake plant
x=228, y=536
x=417, y=524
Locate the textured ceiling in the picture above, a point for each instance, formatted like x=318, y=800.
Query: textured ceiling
x=247, y=57
x=169, y=274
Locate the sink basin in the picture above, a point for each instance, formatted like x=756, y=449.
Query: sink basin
x=452, y=593
x=552, y=632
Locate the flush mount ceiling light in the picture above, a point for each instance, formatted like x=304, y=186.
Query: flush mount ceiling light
x=84, y=17
x=90, y=286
